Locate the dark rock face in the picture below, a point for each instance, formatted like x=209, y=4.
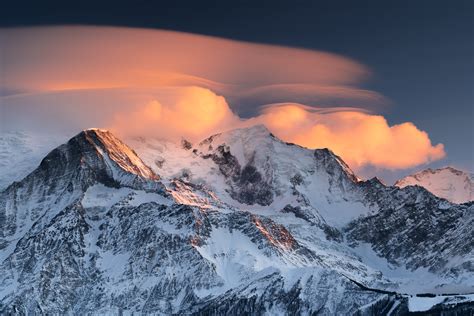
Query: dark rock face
x=186, y=144
x=250, y=188
x=415, y=229
x=247, y=183
x=334, y=166
x=72, y=250
x=72, y=276
x=331, y=233
x=56, y=248
x=418, y=235
x=228, y=164
x=299, y=213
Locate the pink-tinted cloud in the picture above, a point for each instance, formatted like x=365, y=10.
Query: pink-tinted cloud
x=67, y=58
x=169, y=84
x=360, y=138
x=192, y=112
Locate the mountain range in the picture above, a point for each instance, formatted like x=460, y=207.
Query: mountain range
x=239, y=223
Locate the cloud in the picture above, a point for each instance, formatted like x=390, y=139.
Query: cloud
x=192, y=112
x=359, y=137
x=316, y=95
x=149, y=56
x=170, y=85
x=45, y=59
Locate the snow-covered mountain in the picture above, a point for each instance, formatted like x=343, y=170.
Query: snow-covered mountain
x=240, y=223
x=448, y=183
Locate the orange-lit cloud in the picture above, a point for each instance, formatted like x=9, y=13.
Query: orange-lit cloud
x=360, y=138
x=155, y=57
x=171, y=85
x=66, y=58
x=192, y=112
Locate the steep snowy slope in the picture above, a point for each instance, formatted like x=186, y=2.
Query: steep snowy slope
x=448, y=183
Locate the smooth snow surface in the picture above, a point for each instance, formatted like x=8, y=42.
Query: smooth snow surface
x=422, y=304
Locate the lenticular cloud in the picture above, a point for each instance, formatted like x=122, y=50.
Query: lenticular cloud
x=170, y=84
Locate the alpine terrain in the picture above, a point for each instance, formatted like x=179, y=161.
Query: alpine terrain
x=240, y=223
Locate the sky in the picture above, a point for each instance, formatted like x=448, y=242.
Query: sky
x=405, y=63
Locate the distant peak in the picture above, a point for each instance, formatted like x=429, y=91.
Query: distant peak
x=452, y=170
x=186, y=144
x=437, y=171
x=449, y=183
x=376, y=181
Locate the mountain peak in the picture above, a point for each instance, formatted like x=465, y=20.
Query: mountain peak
x=449, y=169
x=92, y=156
x=253, y=131
x=96, y=129
x=257, y=128
x=254, y=137
x=449, y=183
x=108, y=145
